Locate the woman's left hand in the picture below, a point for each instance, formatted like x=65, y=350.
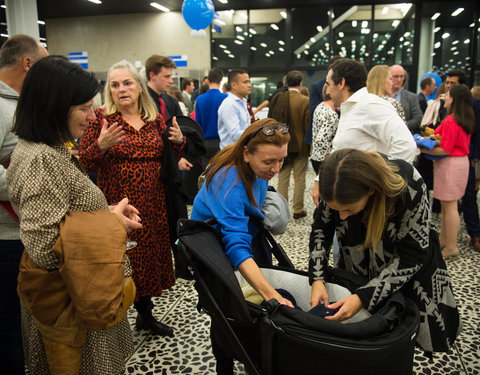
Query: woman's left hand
x=349, y=306
x=176, y=135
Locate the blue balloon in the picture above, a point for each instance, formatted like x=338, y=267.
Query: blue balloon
x=198, y=14
x=438, y=82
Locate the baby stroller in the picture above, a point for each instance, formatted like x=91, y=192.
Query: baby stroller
x=274, y=339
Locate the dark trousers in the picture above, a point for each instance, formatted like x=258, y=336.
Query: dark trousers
x=11, y=349
x=469, y=205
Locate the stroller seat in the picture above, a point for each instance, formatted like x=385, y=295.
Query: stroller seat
x=275, y=339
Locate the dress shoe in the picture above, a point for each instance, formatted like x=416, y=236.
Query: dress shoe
x=475, y=242
x=299, y=215
x=147, y=321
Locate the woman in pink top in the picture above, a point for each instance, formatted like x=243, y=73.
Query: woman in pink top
x=450, y=173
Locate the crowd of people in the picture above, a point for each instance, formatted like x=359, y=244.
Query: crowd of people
x=358, y=129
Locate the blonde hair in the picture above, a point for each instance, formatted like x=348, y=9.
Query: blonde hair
x=476, y=92
x=376, y=79
x=146, y=106
x=349, y=175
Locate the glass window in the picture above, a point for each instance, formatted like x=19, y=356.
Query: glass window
x=310, y=37
x=352, y=30
x=453, y=29
x=393, y=34
x=267, y=37
x=229, y=33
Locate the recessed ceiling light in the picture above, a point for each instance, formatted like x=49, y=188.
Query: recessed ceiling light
x=95, y=1
x=41, y=22
x=281, y=42
x=354, y=23
x=274, y=26
x=253, y=48
x=264, y=45
x=457, y=12
x=319, y=28
x=437, y=29
x=435, y=16
x=239, y=42
x=445, y=35
x=223, y=1
x=158, y=6
x=283, y=14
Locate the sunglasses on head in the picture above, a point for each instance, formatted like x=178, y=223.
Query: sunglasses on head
x=269, y=130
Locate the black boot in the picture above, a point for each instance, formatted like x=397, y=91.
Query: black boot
x=145, y=319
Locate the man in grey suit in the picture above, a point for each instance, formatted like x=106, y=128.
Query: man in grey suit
x=188, y=87
x=407, y=99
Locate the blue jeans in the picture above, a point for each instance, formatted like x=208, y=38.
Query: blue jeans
x=11, y=349
x=469, y=204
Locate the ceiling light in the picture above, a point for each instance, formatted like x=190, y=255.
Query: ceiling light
x=4, y=7
x=4, y=35
x=385, y=10
x=41, y=22
x=364, y=24
x=223, y=1
x=312, y=39
x=339, y=42
x=435, y=16
x=271, y=52
x=227, y=51
x=252, y=31
x=215, y=58
x=264, y=45
x=456, y=53
x=319, y=28
x=155, y=5
x=307, y=46
x=238, y=29
x=231, y=56
x=340, y=34
x=455, y=42
x=222, y=46
x=99, y=2
x=437, y=29
x=239, y=42
x=253, y=48
x=274, y=27
x=365, y=31
x=466, y=41
x=240, y=37
x=283, y=14
x=395, y=23
x=437, y=45
x=281, y=42
x=218, y=21
x=445, y=35
x=281, y=49
x=457, y=12
x=354, y=23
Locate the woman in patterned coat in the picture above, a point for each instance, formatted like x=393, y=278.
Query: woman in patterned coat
x=45, y=183
x=379, y=210
x=125, y=143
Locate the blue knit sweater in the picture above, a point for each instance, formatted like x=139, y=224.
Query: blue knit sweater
x=226, y=200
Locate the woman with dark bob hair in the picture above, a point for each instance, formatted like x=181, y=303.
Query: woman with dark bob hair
x=378, y=208
x=47, y=185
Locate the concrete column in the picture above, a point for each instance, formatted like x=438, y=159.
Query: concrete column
x=22, y=17
x=425, y=58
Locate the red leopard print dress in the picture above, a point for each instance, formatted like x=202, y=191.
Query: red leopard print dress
x=132, y=169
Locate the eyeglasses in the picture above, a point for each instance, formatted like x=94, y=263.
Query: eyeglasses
x=269, y=130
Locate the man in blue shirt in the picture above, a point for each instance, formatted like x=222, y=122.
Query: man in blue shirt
x=233, y=116
x=206, y=114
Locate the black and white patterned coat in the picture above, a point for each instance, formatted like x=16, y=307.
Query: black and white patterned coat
x=408, y=258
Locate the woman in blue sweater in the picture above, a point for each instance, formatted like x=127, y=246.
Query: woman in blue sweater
x=235, y=188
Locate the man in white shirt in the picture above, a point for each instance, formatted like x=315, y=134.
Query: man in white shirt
x=233, y=116
x=367, y=122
